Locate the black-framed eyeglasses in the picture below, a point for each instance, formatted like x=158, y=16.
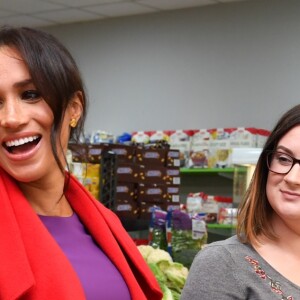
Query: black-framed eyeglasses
x=280, y=162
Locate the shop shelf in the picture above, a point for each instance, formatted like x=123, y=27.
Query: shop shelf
x=220, y=231
x=221, y=226
x=205, y=170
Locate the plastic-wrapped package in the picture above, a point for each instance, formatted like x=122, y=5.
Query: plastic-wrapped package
x=188, y=235
x=157, y=229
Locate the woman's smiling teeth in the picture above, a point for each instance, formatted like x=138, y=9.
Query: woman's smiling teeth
x=21, y=141
x=22, y=145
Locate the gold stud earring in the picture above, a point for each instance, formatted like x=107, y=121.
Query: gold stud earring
x=73, y=123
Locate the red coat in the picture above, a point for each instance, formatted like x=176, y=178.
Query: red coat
x=34, y=267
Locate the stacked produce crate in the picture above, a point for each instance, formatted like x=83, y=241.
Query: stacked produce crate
x=151, y=179
x=132, y=180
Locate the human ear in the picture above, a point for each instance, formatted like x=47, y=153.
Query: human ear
x=75, y=108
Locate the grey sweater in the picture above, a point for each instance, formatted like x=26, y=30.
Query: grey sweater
x=228, y=270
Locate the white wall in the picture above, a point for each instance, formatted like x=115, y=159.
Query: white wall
x=228, y=65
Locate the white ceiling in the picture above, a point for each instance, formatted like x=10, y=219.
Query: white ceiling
x=38, y=13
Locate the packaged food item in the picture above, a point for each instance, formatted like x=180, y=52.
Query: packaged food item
x=158, y=135
x=210, y=209
x=101, y=136
x=124, y=138
x=180, y=135
x=181, y=140
x=172, y=205
x=227, y=216
x=262, y=135
x=157, y=229
x=203, y=135
x=199, y=229
x=92, y=170
x=146, y=208
x=194, y=202
x=92, y=185
x=88, y=174
x=184, y=148
x=140, y=137
x=223, y=201
x=78, y=169
x=188, y=235
x=200, y=148
x=220, y=149
x=199, y=155
x=69, y=157
x=243, y=137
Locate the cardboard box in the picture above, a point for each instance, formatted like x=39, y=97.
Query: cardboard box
x=145, y=156
x=173, y=193
x=126, y=209
x=154, y=175
x=173, y=173
x=95, y=152
x=128, y=173
x=126, y=190
x=124, y=153
x=152, y=193
x=173, y=158
x=79, y=152
x=146, y=208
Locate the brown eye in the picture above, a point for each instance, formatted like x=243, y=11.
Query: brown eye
x=31, y=95
x=283, y=159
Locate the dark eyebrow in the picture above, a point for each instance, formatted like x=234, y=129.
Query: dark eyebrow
x=284, y=149
x=23, y=83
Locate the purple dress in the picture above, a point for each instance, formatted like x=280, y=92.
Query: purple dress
x=99, y=277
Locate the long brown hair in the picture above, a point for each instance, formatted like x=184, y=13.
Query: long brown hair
x=255, y=211
x=54, y=73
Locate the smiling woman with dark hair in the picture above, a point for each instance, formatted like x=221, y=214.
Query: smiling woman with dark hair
x=262, y=261
x=57, y=242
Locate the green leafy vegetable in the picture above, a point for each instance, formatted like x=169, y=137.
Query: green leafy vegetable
x=170, y=275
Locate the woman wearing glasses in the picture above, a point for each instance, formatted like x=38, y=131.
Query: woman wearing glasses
x=263, y=260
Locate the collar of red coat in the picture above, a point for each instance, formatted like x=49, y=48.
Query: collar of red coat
x=33, y=264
